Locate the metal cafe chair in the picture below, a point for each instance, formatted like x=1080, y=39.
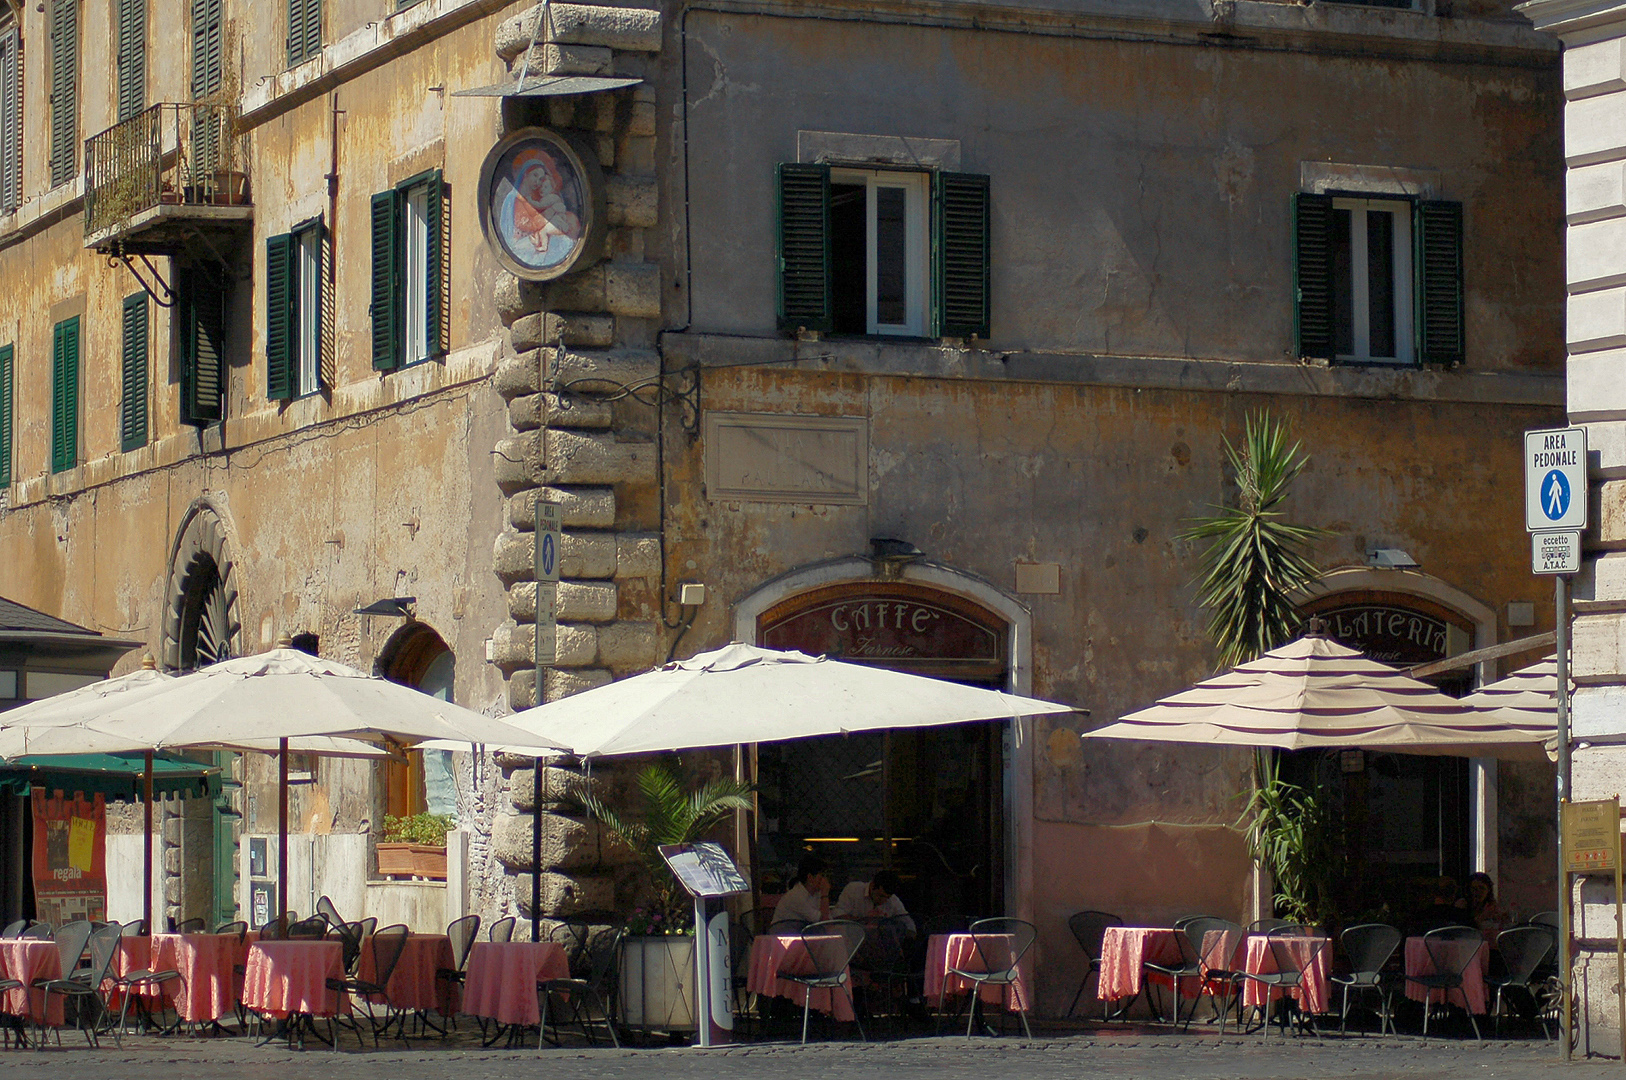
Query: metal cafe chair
x=1001, y=944
x=1088, y=928
x=1523, y=949
x=1217, y=942
x=1266, y=925
x=1451, y=949
x=1291, y=966
x=592, y=975
x=1188, y=966
x=387, y=944
x=502, y=929
x=831, y=946
x=1369, y=947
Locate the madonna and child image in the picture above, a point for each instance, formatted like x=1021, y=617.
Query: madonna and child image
x=536, y=200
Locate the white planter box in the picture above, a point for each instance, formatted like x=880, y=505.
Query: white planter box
x=657, y=983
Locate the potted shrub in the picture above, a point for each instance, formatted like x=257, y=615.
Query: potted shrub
x=657, y=958
x=414, y=846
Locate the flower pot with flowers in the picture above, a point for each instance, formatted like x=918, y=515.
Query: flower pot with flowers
x=657, y=957
x=414, y=846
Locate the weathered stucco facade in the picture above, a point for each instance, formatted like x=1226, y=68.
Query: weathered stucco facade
x=1141, y=165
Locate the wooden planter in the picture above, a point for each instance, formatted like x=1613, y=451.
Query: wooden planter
x=657, y=983
x=412, y=860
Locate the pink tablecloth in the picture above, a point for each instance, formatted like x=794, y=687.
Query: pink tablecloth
x=944, y=951
x=283, y=977
x=413, y=984
x=1472, y=994
x=207, y=989
x=773, y=953
x=26, y=960
x=502, y=977
x=1260, y=959
x=1124, y=949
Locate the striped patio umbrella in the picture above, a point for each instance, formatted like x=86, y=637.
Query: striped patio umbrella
x=1315, y=694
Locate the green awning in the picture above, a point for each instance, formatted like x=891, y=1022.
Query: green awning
x=117, y=776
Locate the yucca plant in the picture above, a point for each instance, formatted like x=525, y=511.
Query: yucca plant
x=1255, y=559
x=670, y=815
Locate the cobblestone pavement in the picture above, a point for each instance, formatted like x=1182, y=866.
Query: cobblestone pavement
x=1129, y=1054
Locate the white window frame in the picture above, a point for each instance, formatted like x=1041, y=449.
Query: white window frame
x=415, y=274
x=917, y=201
x=308, y=310
x=1404, y=285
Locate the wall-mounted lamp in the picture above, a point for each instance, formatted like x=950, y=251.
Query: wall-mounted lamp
x=1390, y=559
x=890, y=555
x=397, y=607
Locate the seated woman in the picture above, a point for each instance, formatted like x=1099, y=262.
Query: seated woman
x=1481, y=905
x=874, y=900
x=808, y=900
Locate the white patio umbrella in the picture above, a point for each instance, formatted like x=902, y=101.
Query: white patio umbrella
x=1528, y=697
x=1314, y=693
x=744, y=694
x=281, y=698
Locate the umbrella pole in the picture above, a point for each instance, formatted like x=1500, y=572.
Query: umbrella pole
x=146, y=854
x=536, y=851
x=282, y=828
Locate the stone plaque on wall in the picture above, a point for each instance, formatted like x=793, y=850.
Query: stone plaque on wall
x=764, y=457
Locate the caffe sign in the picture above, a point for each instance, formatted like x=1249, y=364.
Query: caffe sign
x=885, y=630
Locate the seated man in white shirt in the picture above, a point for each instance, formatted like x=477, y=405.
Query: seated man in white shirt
x=808, y=900
x=874, y=900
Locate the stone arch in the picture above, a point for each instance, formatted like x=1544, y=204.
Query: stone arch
x=201, y=613
x=1415, y=585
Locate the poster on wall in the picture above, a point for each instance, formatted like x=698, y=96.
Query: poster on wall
x=70, y=851
x=541, y=204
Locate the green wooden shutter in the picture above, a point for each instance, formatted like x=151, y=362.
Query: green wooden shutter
x=11, y=118
x=206, y=48
x=281, y=321
x=1437, y=267
x=304, y=30
x=435, y=320
x=804, y=247
x=64, y=25
x=7, y=380
x=132, y=57
x=133, y=356
x=65, y=395
x=1312, y=276
x=202, y=312
x=386, y=299
x=961, y=255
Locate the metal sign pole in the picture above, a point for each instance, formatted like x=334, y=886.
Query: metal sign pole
x=1562, y=622
x=1620, y=939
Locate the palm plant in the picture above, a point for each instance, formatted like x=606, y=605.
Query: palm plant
x=1290, y=834
x=1255, y=560
x=670, y=815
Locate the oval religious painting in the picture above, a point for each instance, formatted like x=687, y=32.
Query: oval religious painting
x=541, y=204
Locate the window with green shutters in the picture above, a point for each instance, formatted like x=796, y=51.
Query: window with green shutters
x=65, y=394
x=200, y=311
x=884, y=252
x=294, y=288
x=11, y=118
x=1377, y=279
x=64, y=35
x=134, y=363
x=410, y=282
x=304, y=30
x=132, y=57
x=7, y=381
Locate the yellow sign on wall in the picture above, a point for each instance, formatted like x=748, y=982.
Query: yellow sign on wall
x=1591, y=836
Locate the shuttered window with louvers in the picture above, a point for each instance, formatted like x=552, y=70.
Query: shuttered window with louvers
x=804, y=247
x=7, y=380
x=1314, y=314
x=132, y=57
x=280, y=321
x=65, y=395
x=202, y=314
x=304, y=30
x=64, y=31
x=1437, y=234
x=385, y=307
x=206, y=47
x=960, y=246
x=134, y=363
x=11, y=119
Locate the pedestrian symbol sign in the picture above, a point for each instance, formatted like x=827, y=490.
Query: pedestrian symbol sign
x=1555, y=480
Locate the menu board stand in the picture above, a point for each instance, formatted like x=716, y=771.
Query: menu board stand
x=708, y=874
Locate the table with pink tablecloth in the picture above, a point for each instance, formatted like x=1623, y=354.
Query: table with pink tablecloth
x=290, y=976
x=1260, y=959
x=208, y=986
x=772, y=954
x=945, y=951
x=25, y=960
x=413, y=985
x=502, y=975
x=1472, y=994
x=1124, y=949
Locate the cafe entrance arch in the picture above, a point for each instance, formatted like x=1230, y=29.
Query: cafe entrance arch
x=939, y=806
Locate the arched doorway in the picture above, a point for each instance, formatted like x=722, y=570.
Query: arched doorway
x=417, y=656
x=930, y=803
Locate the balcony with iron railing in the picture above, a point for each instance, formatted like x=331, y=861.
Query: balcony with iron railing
x=166, y=177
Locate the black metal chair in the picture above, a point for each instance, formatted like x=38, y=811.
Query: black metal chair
x=133, y=928
x=190, y=926
x=325, y=908
x=1523, y=949
x=40, y=931
x=314, y=928
x=502, y=929
x=831, y=946
x=1369, y=947
x=387, y=944
x=462, y=934
x=236, y=926
x=349, y=937
x=1217, y=942
x=14, y=929
x=1088, y=928
x=1294, y=949
x=139, y=985
x=1451, y=949
x=592, y=975
x=1188, y=966
x=1001, y=944
x=1266, y=925
x=888, y=958
x=789, y=927
x=83, y=985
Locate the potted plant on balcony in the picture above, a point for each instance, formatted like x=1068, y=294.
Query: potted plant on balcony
x=657, y=958
x=414, y=846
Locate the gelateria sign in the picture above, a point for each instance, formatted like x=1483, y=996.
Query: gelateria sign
x=886, y=630
x=1392, y=635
